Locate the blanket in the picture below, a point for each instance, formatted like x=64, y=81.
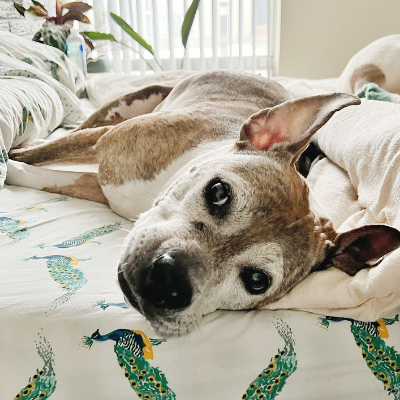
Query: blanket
x=358, y=183
x=38, y=87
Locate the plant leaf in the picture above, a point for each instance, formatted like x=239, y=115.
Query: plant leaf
x=36, y=3
x=75, y=15
x=99, y=36
x=19, y=8
x=38, y=11
x=78, y=6
x=134, y=35
x=59, y=8
x=188, y=21
x=55, y=35
x=88, y=42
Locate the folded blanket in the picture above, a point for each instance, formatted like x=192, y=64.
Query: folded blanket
x=32, y=102
x=358, y=185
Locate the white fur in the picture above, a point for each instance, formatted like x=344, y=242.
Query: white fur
x=137, y=107
x=135, y=197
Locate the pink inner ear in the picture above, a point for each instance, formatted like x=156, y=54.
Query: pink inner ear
x=263, y=140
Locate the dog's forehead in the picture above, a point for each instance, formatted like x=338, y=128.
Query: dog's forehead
x=243, y=172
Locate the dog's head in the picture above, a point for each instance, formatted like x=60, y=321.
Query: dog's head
x=237, y=232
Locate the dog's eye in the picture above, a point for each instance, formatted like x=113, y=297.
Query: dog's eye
x=255, y=281
x=218, y=198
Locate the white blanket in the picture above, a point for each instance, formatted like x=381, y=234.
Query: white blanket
x=37, y=93
x=358, y=184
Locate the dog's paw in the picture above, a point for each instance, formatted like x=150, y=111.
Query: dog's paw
x=26, y=155
x=324, y=229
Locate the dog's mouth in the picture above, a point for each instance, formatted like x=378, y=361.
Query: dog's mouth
x=126, y=290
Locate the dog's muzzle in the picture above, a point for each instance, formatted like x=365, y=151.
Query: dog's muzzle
x=161, y=284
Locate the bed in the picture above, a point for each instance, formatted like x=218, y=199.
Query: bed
x=66, y=333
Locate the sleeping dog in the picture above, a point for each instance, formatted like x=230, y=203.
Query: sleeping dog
x=233, y=224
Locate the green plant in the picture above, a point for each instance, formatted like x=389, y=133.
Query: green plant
x=185, y=31
x=55, y=30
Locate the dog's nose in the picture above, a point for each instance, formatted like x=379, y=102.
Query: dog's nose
x=168, y=285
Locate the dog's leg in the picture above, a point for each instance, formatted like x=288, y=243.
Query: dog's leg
x=77, y=147
x=82, y=185
x=127, y=106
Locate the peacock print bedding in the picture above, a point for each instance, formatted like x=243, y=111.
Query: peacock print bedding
x=66, y=333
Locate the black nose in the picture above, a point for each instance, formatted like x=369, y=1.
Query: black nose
x=168, y=285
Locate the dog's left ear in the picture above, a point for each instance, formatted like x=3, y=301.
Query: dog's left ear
x=362, y=248
x=294, y=121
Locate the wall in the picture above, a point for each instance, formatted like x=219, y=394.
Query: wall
x=318, y=37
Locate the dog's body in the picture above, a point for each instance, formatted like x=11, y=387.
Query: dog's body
x=236, y=227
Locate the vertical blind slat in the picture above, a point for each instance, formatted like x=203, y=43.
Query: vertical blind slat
x=156, y=30
x=126, y=52
x=230, y=19
x=214, y=35
x=201, y=38
x=171, y=21
x=116, y=51
x=276, y=29
x=139, y=18
x=241, y=61
x=253, y=35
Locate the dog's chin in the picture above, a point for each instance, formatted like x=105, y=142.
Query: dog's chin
x=173, y=328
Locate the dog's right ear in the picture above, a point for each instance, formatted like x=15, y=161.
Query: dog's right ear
x=362, y=248
x=293, y=122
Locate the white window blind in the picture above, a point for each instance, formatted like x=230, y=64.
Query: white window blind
x=226, y=34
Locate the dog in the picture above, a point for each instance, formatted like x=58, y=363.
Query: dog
x=233, y=224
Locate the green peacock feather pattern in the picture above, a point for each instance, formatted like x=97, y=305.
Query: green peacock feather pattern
x=29, y=113
x=133, y=349
x=63, y=271
x=86, y=237
x=3, y=157
x=381, y=359
x=39, y=206
x=103, y=305
x=54, y=68
x=26, y=115
x=15, y=229
x=43, y=383
x=272, y=379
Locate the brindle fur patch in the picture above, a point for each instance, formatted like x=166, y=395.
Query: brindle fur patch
x=365, y=74
x=101, y=117
x=85, y=187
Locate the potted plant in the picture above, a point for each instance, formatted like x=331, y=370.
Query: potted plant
x=55, y=29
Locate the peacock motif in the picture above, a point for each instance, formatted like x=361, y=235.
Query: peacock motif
x=39, y=206
x=15, y=229
x=3, y=157
x=381, y=359
x=63, y=271
x=103, y=305
x=133, y=349
x=43, y=383
x=272, y=379
x=86, y=237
